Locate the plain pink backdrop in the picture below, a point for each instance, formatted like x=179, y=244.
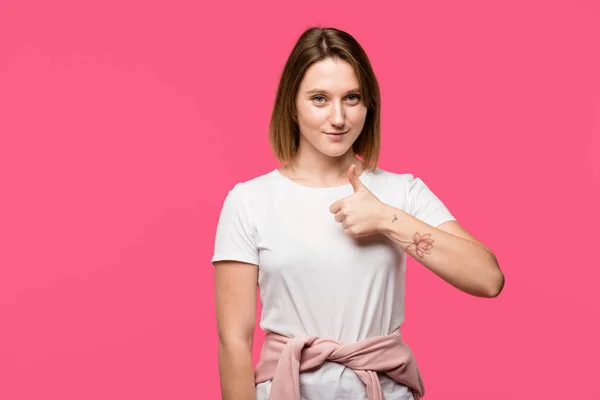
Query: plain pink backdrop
x=123, y=124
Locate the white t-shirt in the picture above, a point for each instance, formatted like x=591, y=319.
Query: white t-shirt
x=315, y=280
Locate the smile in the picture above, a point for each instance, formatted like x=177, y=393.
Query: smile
x=337, y=133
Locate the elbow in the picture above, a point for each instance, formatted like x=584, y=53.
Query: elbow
x=495, y=284
x=236, y=343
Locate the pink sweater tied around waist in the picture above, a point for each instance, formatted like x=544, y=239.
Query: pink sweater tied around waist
x=282, y=359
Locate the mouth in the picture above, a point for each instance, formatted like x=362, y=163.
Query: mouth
x=336, y=133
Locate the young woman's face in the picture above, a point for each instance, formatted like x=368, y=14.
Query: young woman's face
x=331, y=113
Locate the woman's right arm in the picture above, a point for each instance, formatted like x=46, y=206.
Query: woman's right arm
x=235, y=295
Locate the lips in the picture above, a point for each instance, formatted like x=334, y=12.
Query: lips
x=336, y=133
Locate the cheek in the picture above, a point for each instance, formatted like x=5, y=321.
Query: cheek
x=313, y=117
x=357, y=118
x=359, y=114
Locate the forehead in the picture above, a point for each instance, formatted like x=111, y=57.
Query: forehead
x=329, y=74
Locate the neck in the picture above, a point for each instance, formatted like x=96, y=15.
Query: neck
x=324, y=170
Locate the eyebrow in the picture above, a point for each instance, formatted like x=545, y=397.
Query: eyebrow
x=325, y=91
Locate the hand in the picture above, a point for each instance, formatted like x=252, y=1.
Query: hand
x=361, y=213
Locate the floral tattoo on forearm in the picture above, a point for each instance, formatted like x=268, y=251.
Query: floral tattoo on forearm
x=421, y=244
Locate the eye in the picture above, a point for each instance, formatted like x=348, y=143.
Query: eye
x=318, y=97
x=357, y=96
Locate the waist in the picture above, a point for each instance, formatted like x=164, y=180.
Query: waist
x=335, y=381
x=283, y=358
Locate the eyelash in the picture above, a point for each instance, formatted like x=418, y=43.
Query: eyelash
x=355, y=95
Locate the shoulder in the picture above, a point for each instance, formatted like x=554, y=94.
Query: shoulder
x=253, y=189
x=402, y=179
x=391, y=187
x=412, y=186
x=255, y=184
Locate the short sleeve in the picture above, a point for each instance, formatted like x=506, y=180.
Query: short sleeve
x=235, y=234
x=424, y=205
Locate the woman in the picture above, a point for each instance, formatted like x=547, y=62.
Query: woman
x=325, y=237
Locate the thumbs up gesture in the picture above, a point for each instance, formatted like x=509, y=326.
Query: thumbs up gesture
x=361, y=213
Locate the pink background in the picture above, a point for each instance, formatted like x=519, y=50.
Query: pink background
x=123, y=125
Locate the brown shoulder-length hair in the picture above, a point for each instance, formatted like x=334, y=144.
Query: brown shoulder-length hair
x=314, y=45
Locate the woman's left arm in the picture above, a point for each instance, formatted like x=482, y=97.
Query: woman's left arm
x=449, y=251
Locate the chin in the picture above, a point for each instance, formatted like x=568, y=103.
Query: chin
x=335, y=152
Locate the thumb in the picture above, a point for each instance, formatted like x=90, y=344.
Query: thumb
x=354, y=181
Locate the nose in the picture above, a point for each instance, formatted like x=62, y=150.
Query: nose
x=338, y=116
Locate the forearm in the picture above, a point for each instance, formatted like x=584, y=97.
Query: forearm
x=236, y=372
x=464, y=264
